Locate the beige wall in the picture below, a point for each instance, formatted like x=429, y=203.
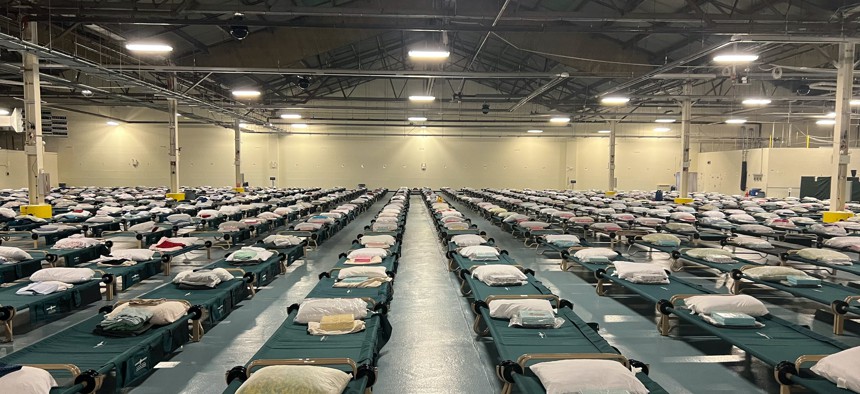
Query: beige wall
x=13, y=168
x=394, y=161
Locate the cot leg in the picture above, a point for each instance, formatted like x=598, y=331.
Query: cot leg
x=601, y=289
x=564, y=266
x=838, y=324
x=110, y=290
x=464, y=288
x=506, y=389
x=476, y=326
x=196, y=330
x=208, y=253
x=9, y=334
x=663, y=325
x=783, y=389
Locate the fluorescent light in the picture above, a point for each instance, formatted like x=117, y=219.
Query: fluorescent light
x=534, y=131
x=291, y=116
x=830, y=115
x=300, y=126
x=417, y=119
x=559, y=119
x=421, y=98
x=854, y=102
x=664, y=120
x=148, y=47
x=756, y=101
x=422, y=54
x=736, y=121
x=604, y=131
x=246, y=93
x=112, y=123
x=662, y=129
x=243, y=125
x=614, y=100
x=735, y=58
x=4, y=112
x=825, y=122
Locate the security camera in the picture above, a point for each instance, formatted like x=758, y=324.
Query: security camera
x=239, y=32
x=304, y=83
x=485, y=108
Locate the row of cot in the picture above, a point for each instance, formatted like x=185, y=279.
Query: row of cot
x=195, y=302
x=115, y=270
x=331, y=340
x=787, y=347
x=540, y=343
x=840, y=298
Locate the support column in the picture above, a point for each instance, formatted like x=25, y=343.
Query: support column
x=38, y=181
x=237, y=163
x=686, y=116
x=173, y=153
x=612, y=126
x=844, y=87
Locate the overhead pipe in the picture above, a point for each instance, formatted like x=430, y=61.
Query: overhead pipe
x=539, y=91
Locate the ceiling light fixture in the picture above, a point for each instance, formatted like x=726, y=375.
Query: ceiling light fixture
x=825, y=122
x=614, y=100
x=736, y=121
x=664, y=120
x=429, y=55
x=534, y=131
x=291, y=116
x=604, y=131
x=756, y=101
x=417, y=119
x=112, y=123
x=422, y=99
x=4, y=112
x=148, y=47
x=661, y=129
x=735, y=58
x=559, y=119
x=246, y=93
x=243, y=125
x=854, y=102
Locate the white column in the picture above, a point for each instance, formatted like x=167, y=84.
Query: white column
x=612, y=127
x=844, y=87
x=173, y=128
x=686, y=115
x=34, y=148
x=237, y=145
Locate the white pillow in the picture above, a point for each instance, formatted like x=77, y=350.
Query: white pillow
x=313, y=309
x=585, y=254
x=499, y=274
x=479, y=251
x=163, y=313
x=28, y=380
x=640, y=272
x=133, y=254
x=705, y=253
x=843, y=242
x=561, y=237
x=841, y=369
x=367, y=252
x=825, y=256
x=707, y=304
x=507, y=308
x=223, y=274
x=370, y=272
x=576, y=376
x=661, y=239
x=463, y=240
x=384, y=239
x=14, y=254
x=142, y=227
x=308, y=379
x=63, y=274
x=773, y=273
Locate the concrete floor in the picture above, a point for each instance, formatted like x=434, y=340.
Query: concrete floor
x=433, y=348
